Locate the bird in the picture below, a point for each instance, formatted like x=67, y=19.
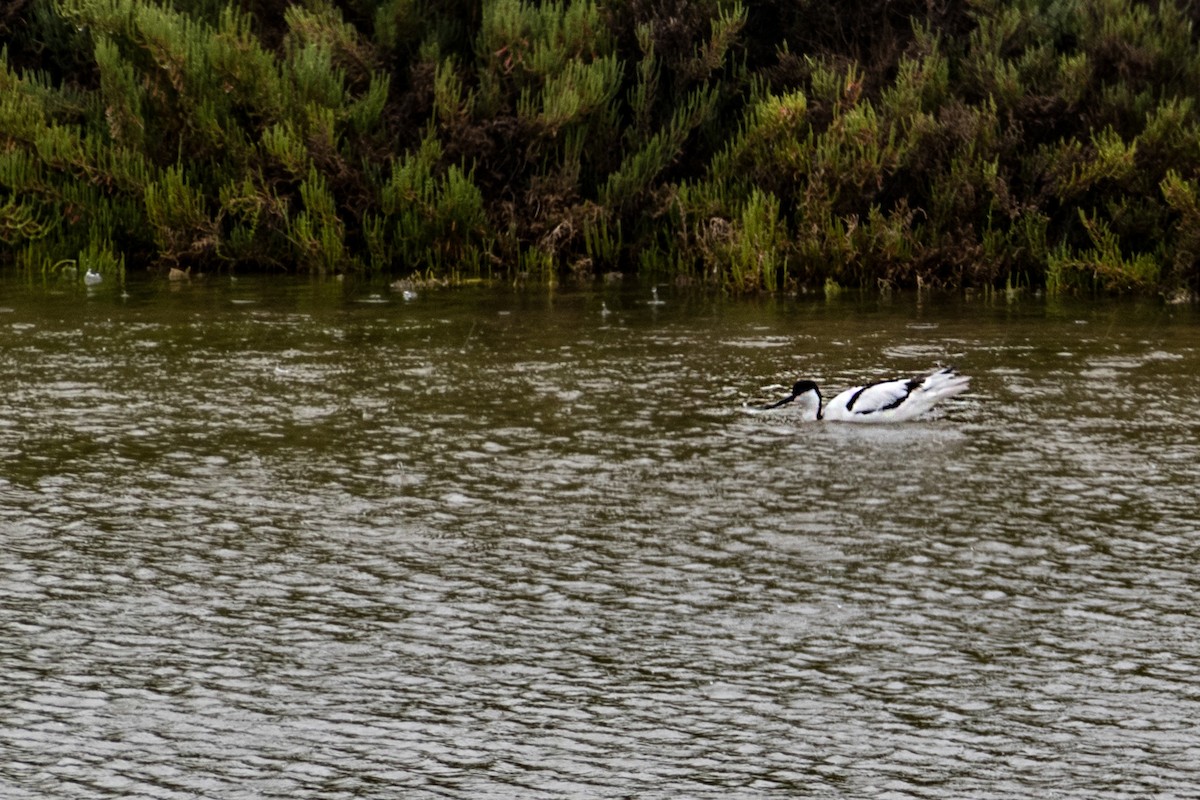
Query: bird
x=92, y=277
x=896, y=400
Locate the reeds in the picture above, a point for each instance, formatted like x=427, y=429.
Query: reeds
x=752, y=148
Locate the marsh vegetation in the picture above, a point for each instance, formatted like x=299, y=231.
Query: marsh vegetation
x=758, y=145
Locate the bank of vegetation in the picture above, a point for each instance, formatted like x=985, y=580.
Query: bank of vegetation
x=745, y=144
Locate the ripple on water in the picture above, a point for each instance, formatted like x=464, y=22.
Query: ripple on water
x=485, y=556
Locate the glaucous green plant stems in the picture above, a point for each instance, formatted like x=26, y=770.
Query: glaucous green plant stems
x=750, y=147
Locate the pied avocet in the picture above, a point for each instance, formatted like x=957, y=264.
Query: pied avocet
x=886, y=401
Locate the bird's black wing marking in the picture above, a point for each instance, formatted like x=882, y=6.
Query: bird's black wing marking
x=894, y=402
x=912, y=384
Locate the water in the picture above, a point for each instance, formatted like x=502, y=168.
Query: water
x=269, y=540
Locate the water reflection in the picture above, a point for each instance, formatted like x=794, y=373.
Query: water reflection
x=509, y=546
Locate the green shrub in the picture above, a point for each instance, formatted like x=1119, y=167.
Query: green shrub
x=755, y=147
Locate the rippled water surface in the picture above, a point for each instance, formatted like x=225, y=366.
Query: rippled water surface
x=305, y=541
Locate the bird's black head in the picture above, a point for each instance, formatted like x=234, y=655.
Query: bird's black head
x=798, y=389
x=801, y=387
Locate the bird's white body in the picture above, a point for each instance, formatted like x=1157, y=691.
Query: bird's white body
x=91, y=277
x=897, y=400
